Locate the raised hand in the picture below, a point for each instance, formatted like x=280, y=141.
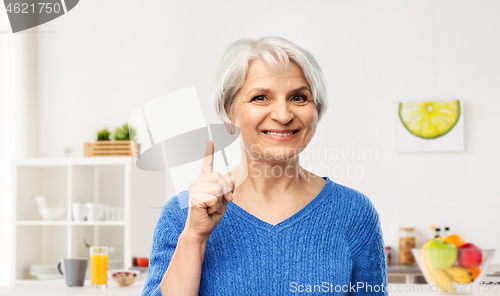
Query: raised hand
x=208, y=198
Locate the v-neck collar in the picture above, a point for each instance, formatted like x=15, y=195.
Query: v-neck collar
x=238, y=211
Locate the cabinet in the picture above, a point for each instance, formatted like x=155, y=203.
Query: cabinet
x=105, y=180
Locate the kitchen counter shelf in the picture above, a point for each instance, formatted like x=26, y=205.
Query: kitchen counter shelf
x=81, y=223
x=105, y=181
x=98, y=223
x=41, y=222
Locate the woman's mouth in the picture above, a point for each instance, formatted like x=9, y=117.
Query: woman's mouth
x=281, y=135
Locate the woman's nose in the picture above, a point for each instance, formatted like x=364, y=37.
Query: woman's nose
x=282, y=113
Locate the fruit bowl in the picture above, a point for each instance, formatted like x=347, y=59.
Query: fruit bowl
x=453, y=270
x=124, y=278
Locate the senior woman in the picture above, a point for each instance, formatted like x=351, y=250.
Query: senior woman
x=270, y=227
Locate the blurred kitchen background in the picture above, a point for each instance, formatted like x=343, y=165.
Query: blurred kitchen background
x=91, y=68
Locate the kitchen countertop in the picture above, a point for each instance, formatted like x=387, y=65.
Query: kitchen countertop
x=58, y=287
x=413, y=268
x=400, y=268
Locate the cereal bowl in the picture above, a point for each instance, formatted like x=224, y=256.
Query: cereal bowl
x=124, y=278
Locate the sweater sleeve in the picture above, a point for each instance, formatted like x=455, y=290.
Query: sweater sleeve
x=369, y=265
x=165, y=240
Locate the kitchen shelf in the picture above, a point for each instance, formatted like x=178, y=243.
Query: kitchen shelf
x=103, y=180
x=41, y=222
x=98, y=223
x=82, y=223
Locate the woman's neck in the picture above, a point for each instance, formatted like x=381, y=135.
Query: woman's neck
x=270, y=180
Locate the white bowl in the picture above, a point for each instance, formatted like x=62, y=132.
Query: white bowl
x=49, y=201
x=51, y=213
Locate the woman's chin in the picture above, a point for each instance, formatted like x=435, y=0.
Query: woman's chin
x=277, y=152
x=271, y=157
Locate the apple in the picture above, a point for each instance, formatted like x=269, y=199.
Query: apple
x=469, y=256
x=441, y=254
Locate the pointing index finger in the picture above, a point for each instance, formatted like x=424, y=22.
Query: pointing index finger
x=207, y=166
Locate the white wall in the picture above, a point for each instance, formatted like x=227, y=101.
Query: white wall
x=107, y=58
x=18, y=122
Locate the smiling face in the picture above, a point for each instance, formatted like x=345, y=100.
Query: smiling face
x=275, y=113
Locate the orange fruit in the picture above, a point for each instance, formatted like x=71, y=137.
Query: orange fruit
x=475, y=272
x=455, y=239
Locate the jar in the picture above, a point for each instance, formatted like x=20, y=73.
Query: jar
x=388, y=254
x=406, y=243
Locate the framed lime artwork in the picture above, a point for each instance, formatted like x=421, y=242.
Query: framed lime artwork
x=426, y=126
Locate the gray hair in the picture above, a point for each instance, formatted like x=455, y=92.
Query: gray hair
x=276, y=51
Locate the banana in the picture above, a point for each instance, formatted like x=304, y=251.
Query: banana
x=460, y=274
x=436, y=275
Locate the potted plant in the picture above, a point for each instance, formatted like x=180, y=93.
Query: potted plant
x=123, y=143
x=103, y=135
x=124, y=133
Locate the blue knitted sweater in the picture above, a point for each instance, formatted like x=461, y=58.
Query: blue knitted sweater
x=333, y=245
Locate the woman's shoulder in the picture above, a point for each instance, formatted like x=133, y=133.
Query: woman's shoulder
x=342, y=197
x=360, y=218
x=175, y=210
x=354, y=208
x=349, y=198
x=353, y=196
x=177, y=203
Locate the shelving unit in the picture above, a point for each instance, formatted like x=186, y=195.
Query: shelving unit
x=104, y=180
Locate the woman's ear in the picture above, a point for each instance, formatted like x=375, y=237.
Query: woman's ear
x=230, y=128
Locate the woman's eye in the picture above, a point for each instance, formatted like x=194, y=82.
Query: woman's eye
x=259, y=98
x=298, y=98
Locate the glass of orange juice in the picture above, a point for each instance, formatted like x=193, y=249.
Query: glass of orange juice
x=99, y=266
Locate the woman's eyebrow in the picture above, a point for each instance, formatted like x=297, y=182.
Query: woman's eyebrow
x=301, y=89
x=261, y=90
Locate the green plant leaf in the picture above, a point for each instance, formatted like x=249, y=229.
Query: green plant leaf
x=103, y=135
x=123, y=133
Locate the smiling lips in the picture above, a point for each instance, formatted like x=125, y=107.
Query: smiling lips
x=280, y=135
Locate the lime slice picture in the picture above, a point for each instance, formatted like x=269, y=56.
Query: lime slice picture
x=429, y=120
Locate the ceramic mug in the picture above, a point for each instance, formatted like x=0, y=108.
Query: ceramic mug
x=96, y=211
x=74, y=271
x=79, y=211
